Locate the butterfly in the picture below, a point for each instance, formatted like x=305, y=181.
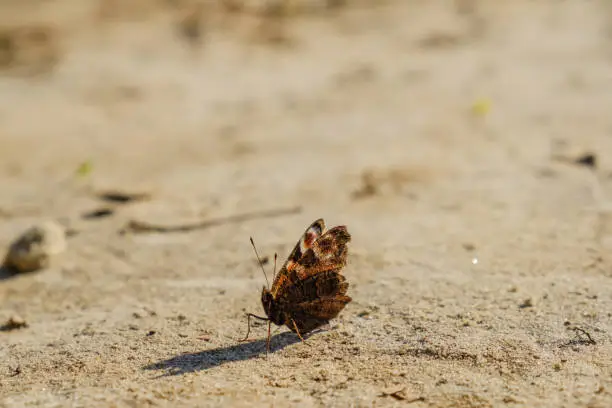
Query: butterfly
x=309, y=289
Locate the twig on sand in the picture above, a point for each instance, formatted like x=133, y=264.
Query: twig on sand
x=15, y=371
x=579, y=331
x=401, y=395
x=135, y=226
x=580, y=338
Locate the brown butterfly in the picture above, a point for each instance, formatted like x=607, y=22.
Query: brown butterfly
x=308, y=290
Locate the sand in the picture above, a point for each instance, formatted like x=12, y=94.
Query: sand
x=434, y=130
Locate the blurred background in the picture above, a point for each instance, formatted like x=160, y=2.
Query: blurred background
x=464, y=144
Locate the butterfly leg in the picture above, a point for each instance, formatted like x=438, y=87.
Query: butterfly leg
x=298, y=333
x=268, y=340
x=249, y=315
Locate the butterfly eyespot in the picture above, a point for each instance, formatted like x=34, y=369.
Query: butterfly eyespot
x=309, y=238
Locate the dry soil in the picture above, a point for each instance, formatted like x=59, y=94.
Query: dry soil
x=442, y=134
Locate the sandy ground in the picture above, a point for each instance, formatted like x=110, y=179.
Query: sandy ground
x=429, y=128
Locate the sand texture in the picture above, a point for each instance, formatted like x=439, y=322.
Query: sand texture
x=448, y=136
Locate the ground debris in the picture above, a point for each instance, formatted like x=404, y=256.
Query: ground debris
x=401, y=395
x=14, y=323
x=122, y=197
x=135, y=226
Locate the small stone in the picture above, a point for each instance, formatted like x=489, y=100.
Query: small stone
x=468, y=246
x=526, y=303
x=33, y=249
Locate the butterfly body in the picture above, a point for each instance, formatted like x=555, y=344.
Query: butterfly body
x=309, y=290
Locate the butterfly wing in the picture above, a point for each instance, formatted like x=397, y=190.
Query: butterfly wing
x=309, y=287
x=317, y=313
x=328, y=252
x=323, y=296
x=318, y=289
x=282, y=279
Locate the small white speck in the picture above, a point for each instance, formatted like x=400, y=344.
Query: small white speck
x=474, y=261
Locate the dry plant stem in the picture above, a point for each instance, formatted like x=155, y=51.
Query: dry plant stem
x=142, y=227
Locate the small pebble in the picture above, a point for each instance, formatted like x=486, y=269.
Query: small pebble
x=468, y=246
x=33, y=249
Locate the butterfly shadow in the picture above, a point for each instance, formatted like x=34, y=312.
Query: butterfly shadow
x=207, y=359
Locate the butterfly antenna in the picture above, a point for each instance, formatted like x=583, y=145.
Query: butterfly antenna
x=260, y=263
x=274, y=271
